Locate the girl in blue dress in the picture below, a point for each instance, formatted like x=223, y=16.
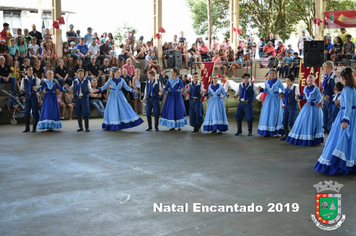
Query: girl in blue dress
x=339, y=153
x=272, y=114
x=308, y=127
x=173, y=112
x=118, y=113
x=215, y=117
x=49, y=117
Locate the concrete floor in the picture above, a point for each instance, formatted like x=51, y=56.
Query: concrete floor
x=105, y=183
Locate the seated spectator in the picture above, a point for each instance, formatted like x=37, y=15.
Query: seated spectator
x=114, y=59
x=337, y=49
x=288, y=62
x=67, y=55
x=218, y=64
x=48, y=53
x=328, y=49
x=153, y=62
x=175, y=41
x=195, y=56
x=261, y=47
x=73, y=52
x=61, y=74
x=5, y=74
x=47, y=34
x=94, y=99
x=165, y=49
x=78, y=37
x=163, y=78
x=13, y=50
x=61, y=103
x=238, y=61
x=94, y=49
x=203, y=51
x=15, y=72
x=78, y=66
x=22, y=49
x=48, y=67
x=104, y=70
x=226, y=44
x=222, y=53
x=93, y=70
x=82, y=51
x=230, y=54
x=105, y=51
x=34, y=49
x=97, y=40
x=280, y=65
x=281, y=49
x=69, y=101
x=4, y=51
x=140, y=49
x=103, y=38
x=26, y=62
x=269, y=54
x=294, y=67
x=38, y=70
x=129, y=67
x=71, y=35
x=184, y=55
x=290, y=50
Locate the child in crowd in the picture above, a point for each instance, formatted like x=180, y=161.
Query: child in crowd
x=288, y=62
x=121, y=54
x=272, y=114
x=196, y=112
x=34, y=50
x=66, y=55
x=13, y=50
x=15, y=72
x=247, y=93
x=215, y=117
x=113, y=56
x=307, y=129
x=73, y=52
x=280, y=65
x=336, y=102
x=136, y=84
x=69, y=101
x=328, y=85
x=237, y=64
x=290, y=105
x=61, y=103
x=152, y=97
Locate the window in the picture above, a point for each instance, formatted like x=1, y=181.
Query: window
x=13, y=18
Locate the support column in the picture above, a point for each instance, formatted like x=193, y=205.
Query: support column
x=319, y=12
x=234, y=23
x=57, y=33
x=157, y=24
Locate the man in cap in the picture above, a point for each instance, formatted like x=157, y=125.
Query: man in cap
x=301, y=42
x=71, y=35
x=89, y=36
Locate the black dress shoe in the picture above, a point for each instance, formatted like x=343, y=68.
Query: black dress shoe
x=172, y=129
x=238, y=133
x=213, y=132
x=249, y=133
x=26, y=130
x=156, y=129
x=179, y=129
x=148, y=129
x=87, y=130
x=194, y=130
x=80, y=129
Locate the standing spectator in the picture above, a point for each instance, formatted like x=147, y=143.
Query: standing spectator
x=328, y=48
x=175, y=41
x=348, y=50
x=78, y=37
x=71, y=35
x=82, y=51
x=136, y=84
x=61, y=102
x=93, y=70
x=129, y=67
x=61, y=74
x=301, y=42
x=181, y=38
x=337, y=49
x=36, y=34
x=203, y=51
x=94, y=49
x=343, y=34
x=5, y=33
x=94, y=99
x=271, y=39
x=105, y=70
x=5, y=74
x=88, y=37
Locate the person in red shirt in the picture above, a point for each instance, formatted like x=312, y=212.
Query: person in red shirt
x=203, y=51
x=269, y=53
x=5, y=33
x=129, y=67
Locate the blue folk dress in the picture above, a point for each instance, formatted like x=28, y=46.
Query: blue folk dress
x=215, y=117
x=308, y=127
x=50, y=117
x=173, y=112
x=118, y=113
x=339, y=153
x=272, y=113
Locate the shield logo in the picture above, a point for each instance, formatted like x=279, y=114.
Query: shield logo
x=328, y=208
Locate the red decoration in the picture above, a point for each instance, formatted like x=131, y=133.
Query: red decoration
x=317, y=21
x=161, y=30
x=55, y=25
x=61, y=20
x=158, y=36
x=239, y=31
x=234, y=29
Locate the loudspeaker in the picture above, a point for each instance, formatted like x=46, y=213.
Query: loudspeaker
x=313, y=53
x=174, y=59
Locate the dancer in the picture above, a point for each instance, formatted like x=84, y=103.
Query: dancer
x=308, y=130
x=29, y=84
x=49, y=117
x=271, y=115
x=173, y=112
x=215, y=117
x=151, y=96
x=290, y=105
x=81, y=87
x=196, y=112
x=247, y=93
x=118, y=112
x=328, y=85
x=339, y=153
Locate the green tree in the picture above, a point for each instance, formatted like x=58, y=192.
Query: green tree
x=121, y=33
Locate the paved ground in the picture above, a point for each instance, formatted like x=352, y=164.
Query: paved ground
x=105, y=183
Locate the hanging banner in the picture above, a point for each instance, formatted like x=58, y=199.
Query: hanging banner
x=303, y=75
x=339, y=19
x=206, y=70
